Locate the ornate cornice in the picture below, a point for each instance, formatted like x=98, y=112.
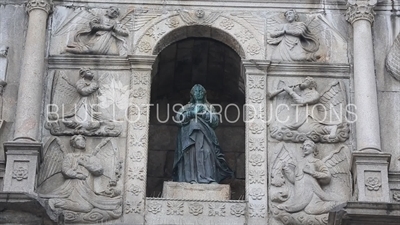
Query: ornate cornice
x=360, y=10
x=38, y=4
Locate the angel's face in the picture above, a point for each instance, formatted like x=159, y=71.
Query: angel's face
x=88, y=75
x=308, y=148
x=305, y=84
x=113, y=12
x=290, y=16
x=80, y=143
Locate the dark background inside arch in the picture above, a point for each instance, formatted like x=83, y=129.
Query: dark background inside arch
x=178, y=67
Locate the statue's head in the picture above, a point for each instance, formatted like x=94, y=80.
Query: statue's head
x=291, y=15
x=308, y=82
x=198, y=94
x=113, y=12
x=86, y=73
x=78, y=141
x=309, y=147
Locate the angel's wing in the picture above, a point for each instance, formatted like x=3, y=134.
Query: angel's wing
x=64, y=94
x=332, y=101
x=253, y=19
x=273, y=24
x=187, y=17
x=191, y=19
x=107, y=153
x=53, y=156
x=211, y=18
x=337, y=162
x=76, y=20
x=142, y=18
x=314, y=24
x=283, y=158
x=127, y=19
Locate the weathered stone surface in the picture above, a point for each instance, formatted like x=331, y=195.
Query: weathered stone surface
x=179, y=190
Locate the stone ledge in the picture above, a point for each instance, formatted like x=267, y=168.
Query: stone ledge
x=180, y=190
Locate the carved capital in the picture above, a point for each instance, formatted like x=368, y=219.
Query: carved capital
x=360, y=10
x=38, y=4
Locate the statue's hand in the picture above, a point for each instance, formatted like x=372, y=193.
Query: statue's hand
x=81, y=176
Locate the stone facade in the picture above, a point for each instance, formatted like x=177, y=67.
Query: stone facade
x=306, y=92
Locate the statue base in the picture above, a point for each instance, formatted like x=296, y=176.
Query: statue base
x=181, y=190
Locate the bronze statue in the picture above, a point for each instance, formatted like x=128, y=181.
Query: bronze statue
x=198, y=156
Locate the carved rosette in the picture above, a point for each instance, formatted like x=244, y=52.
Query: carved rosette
x=38, y=4
x=256, y=128
x=360, y=11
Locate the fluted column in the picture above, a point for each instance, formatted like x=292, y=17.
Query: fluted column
x=370, y=165
x=22, y=153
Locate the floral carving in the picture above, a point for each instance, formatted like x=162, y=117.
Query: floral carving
x=257, y=193
x=175, y=208
x=363, y=11
x=200, y=13
x=256, y=144
x=20, y=173
x=244, y=35
x=133, y=208
x=256, y=160
x=257, y=97
x=136, y=140
x=155, y=32
x=144, y=47
x=227, y=24
x=141, y=78
x=139, y=125
x=253, y=49
x=136, y=173
x=256, y=128
x=136, y=156
x=196, y=209
x=396, y=196
x=154, y=207
x=216, y=209
x=136, y=110
x=238, y=209
x=172, y=22
x=134, y=189
x=257, y=176
x=139, y=93
x=256, y=112
x=256, y=82
x=373, y=183
x=257, y=210
x=38, y=4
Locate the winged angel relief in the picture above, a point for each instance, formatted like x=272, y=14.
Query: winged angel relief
x=89, y=190
x=297, y=185
x=98, y=34
x=303, y=113
x=75, y=109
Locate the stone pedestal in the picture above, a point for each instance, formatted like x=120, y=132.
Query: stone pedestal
x=371, y=176
x=21, y=166
x=180, y=190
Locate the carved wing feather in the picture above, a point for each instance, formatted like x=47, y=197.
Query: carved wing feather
x=333, y=99
x=53, y=156
x=107, y=154
x=212, y=17
x=74, y=21
x=142, y=19
x=187, y=17
x=337, y=162
x=64, y=94
x=284, y=157
x=127, y=19
x=254, y=20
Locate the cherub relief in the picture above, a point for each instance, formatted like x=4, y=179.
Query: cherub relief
x=76, y=110
x=293, y=39
x=304, y=113
x=297, y=185
x=89, y=192
x=98, y=34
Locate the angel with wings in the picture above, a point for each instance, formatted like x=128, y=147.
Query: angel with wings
x=309, y=114
x=85, y=190
x=104, y=35
x=293, y=39
x=298, y=185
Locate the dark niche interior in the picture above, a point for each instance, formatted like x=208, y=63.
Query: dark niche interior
x=177, y=68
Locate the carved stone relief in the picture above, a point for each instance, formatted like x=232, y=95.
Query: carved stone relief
x=300, y=191
x=86, y=106
x=294, y=37
x=99, y=32
x=84, y=180
x=303, y=112
x=3, y=67
x=392, y=59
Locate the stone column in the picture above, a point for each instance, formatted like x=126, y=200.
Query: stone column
x=370, y=165
x=3, y=72
x=137, y=148
x=22, y=153
x=256, y=142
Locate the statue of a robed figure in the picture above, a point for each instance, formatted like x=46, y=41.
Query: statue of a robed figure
x=198, y=156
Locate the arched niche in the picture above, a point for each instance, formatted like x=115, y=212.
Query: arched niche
x=179, y=65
